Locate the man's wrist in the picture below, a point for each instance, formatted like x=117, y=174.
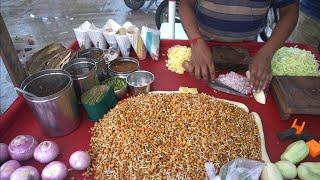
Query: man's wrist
x=194, y=40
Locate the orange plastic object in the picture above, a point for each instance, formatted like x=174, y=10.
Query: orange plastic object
x=314, y=148
x=297, y=127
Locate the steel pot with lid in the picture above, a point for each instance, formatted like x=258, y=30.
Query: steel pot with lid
x=55, y=106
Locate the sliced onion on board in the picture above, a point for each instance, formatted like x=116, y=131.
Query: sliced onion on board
x=46, y=151
x=21, y=148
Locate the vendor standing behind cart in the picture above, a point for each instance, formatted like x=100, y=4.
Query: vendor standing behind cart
x=235, y=21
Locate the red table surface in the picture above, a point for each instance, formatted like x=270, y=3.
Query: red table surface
x=19, y=120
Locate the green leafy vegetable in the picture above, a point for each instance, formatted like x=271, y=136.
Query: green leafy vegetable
x=94, y=95
x=117, y=83
x=292, y=61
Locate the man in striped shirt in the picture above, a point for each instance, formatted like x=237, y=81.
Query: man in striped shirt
x=234, y=21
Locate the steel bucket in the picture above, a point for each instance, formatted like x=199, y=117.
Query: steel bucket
x=97, y=55
x=56, y=106
x=83, y=74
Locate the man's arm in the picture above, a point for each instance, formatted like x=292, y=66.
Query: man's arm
x=201, y=64
x=260, y=67
x=188, y=18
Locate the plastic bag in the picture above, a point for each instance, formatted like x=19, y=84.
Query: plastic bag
x=241, y=169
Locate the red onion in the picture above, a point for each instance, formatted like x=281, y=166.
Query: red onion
x=25, y=173
x=54, y=170
x=236, y=81
x=4, y=154
x=79, y=160
x=8, y=168
x=22, y=147
x=46, y=151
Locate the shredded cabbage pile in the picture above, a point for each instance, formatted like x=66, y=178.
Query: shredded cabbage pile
x=176, y=56
x=292, y=61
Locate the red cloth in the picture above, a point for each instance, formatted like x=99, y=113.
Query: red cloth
x=19, y=119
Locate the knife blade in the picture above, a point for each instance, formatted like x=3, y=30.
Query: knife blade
x=224, y=88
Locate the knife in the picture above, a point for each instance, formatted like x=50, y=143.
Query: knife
x=224, y=88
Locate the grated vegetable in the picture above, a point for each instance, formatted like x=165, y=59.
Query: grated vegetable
x=292, y=61
x=177, y=55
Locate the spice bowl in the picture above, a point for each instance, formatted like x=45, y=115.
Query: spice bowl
x=119, y=85
x=139, y=82
x=123, y=66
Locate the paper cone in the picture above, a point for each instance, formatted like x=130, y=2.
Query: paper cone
x=151, y=38
x=136, y=42
x=82, y=38
x=111, y=24
x=127, y=24
x=110, y=37
x=124, y=44
x=85, y=26
x=97, y=38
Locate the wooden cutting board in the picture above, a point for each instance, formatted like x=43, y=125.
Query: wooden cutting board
x=296, y=95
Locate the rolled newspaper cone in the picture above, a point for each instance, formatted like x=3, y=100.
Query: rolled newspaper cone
x=82, y=38
x=111, y=39
x=136, y=42
x=109, y=31
x=151, y=39
x=123, y=42
x=97, y=38
x=82, y=35
x=111, y=25
x=127, y=24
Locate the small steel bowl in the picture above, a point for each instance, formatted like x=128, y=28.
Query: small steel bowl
x=121, y=92
x=122, y=74
x=139, y=82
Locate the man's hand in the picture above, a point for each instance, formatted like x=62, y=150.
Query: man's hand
x=201, y=64
x=260, y=70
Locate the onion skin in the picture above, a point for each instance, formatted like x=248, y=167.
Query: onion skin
x=8, y=168
x=4, y=154
x=21, y=148
x=25, y=173
x=46, y=152
x=79, y=160
x=55, y=170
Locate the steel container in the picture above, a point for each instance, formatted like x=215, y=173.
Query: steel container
x=124, y=75
x=139, y=82
x=83, y=74
x=55, y=106
x=98, y=56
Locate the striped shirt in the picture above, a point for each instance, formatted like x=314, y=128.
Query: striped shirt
x=234, y=20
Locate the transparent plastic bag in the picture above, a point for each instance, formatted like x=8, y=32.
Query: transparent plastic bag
x=241, y=169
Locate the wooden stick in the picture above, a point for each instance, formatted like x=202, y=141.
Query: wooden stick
x=10, y=56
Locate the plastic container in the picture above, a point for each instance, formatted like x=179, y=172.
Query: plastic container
x=97, y=110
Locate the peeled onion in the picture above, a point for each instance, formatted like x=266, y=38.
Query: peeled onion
x=25, y=173
x=21, y=148
x=46, y=151
x=4, y=154
x=8, y=168
x=79, y=160
x=54, y=170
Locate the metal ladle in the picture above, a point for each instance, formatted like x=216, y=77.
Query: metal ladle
x=25, y=92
